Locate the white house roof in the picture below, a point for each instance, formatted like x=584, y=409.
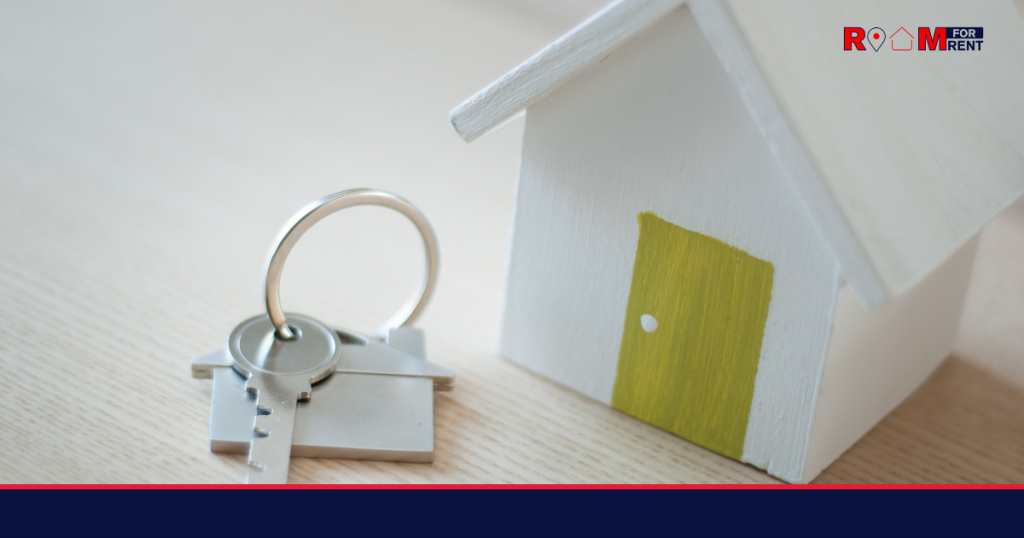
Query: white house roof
x=899, y=156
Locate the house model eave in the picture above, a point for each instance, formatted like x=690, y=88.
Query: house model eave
x=895, y=174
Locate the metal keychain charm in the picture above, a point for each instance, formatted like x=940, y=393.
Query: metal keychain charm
x=374, y=396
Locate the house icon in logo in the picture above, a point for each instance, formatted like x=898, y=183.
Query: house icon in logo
x=902, y=40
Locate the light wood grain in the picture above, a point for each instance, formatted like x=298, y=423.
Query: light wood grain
x=965, y=425
x=148, y=155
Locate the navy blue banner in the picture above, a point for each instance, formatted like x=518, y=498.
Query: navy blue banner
x=522, y=512
x=956, y=32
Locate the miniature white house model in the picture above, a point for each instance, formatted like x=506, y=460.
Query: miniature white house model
x=729, y=226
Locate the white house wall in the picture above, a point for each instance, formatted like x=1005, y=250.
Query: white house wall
x=876, y=359
x=658, y=126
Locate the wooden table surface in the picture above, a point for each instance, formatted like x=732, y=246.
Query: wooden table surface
x=149, y=153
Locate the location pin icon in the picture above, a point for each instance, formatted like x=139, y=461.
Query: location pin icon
x=876, y=36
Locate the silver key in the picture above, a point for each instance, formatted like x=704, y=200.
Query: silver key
x=377, y=405
x=280, y=372
x=281, y=358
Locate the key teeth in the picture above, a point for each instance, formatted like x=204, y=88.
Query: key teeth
x=262, y=425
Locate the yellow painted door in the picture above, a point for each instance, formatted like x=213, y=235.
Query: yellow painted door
x=692, y=338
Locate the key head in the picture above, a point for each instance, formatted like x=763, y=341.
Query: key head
x=257, y=352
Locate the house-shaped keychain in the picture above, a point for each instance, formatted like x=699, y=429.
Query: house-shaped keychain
x=377, y=405
x=737, y=229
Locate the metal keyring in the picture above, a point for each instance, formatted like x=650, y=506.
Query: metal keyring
x=313, y=213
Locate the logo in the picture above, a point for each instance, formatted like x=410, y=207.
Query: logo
x=959, y=38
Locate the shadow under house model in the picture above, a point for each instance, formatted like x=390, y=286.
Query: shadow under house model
x=731, y=228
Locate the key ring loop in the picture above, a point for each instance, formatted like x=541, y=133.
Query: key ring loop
x=306, y=217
